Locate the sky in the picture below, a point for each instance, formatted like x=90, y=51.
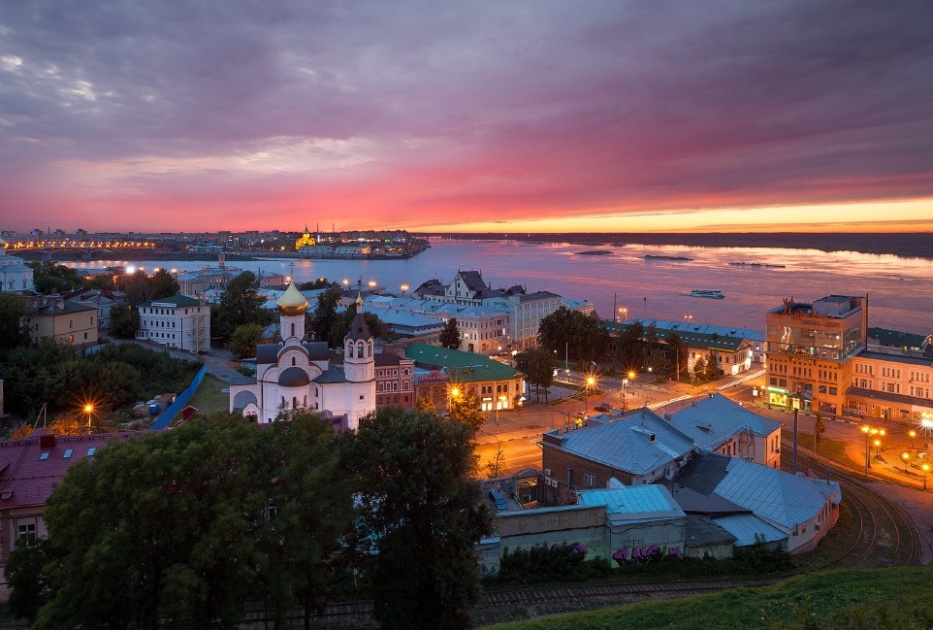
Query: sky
x=487, y=115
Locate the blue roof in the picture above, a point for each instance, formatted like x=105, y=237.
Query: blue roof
x=641, y=501
x=638, y=443
x=714, y=420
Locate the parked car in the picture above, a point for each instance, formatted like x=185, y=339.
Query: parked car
x=603, y=408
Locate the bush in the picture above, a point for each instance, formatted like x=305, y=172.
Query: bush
x=561, y=562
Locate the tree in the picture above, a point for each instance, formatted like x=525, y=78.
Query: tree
x=240, y=304
x=25, y=574
x=13, y=317
x=425, y=403
x=711, y=371
x=197, y=522
x=48, y=277
x=466, y=409
x=140, y=288
x=537, y=364
x=124, y=321
x=450, y=334
x=699, y=369
x=420, y=508
x=325, y=316
x=819, y=427
x=574, y=333
x=244, y=340
x=677, y=355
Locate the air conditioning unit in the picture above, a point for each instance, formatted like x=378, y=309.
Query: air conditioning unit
x=547, y=472
x=555, y=483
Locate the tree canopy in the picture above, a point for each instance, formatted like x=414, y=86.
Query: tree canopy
x=240, y=304
x=450, y=334
x=537, y=364
x=13, y=328
x=198, y=521
x=49, y=277
x=573, y=333
x=421, y=509
x=140, y=288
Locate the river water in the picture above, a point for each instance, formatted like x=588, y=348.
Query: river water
x=900, y=290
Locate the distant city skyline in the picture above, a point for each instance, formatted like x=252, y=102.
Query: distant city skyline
x=543, y=116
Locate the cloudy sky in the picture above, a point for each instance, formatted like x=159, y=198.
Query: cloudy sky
x=505, y=115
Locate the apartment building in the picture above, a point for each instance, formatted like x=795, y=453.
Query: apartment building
x=177, y=322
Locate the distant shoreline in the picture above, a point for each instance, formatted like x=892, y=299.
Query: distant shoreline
x=905, y=244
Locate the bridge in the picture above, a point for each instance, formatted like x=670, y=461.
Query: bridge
x=48, y=249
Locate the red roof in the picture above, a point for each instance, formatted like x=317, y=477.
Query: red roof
x=28, y=475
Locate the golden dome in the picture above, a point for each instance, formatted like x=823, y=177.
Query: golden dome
x=292, y=302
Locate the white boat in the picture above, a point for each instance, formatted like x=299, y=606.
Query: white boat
x=714, y=294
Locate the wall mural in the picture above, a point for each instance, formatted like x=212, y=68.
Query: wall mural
x=640, y=555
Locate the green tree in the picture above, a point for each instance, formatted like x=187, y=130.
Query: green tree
x=244, y=340
x=575, y=334
x=421, y=510
x=819, y=427
x=124, y=321
x=466, y=409
x=26, y=576
x=13, y=322
x=48, y=277
x=198, y=521
x=425, y=403
x=240, y=304
x=699, y=369
x=676, y=356
x=537, y=364
x=320, y=283
x=711, y=370
x=140, y=288
x=450, y=334
x=325, y=317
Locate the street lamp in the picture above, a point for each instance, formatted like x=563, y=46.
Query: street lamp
x=590, y=381
x=905, y=456
x=624, y=312
x=404, y=288
x=88, y=409
x=926, y=471
x=870, y=431
x=912, y=435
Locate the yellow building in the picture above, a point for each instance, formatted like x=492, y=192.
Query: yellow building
x=306, y=240
x=891, y=387
x=809, y=348
x=54, y=318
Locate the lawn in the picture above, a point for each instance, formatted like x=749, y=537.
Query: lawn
x=880, y=598
x=211, y=397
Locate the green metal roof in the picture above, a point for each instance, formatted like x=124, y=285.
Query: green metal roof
x=463, y=367
x=176, y=300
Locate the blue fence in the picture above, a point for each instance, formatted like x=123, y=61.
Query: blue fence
x=181, y=401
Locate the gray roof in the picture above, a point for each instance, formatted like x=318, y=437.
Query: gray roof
x=294, y=377
x=679, y=326
x=781, y=499
x=747, y=528
x=702, y=530
x=332, y=375
x=242, y=399
x=896, y=358
x=638, y=443
x=626, y=502
x=714, y=420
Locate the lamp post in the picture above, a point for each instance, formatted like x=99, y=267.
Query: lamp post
x=870, y=431
x=926, y=471
x=590, y=381
x=912, y=435
x=89, y=410
x=905, y=456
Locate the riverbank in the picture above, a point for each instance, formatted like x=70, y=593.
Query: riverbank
x=904, y=244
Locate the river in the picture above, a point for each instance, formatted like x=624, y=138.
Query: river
x=900, y=290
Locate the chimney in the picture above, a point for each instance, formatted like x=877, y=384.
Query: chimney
x=47, y=440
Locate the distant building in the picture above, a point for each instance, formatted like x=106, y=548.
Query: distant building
x=102, y=300
x=445, y=373
x=15, y=275
x=51, y=317
x=394, y=381
x=179, y=321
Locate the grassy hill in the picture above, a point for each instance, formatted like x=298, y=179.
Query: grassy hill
x=874, y=599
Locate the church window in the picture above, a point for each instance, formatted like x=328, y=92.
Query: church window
x=359, y=351
x=293, y=361
x=293, y=333
x=294, y=402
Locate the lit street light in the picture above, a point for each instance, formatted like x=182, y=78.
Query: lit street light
x=89, y=409
x=590, y=381
x=905, y=456
x=926, y=471
x=912, y=435
x=869, y=431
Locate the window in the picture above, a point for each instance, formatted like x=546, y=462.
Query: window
x=589, y=479
x=44, y=456
x=26, y=530
x=68, y=453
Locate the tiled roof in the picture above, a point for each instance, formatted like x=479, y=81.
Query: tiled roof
x=27, y=479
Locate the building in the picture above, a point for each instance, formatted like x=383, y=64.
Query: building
x=899, y=342
x=30, y=469
x=809, y=350
x=297, y=374
x=102, y=300
x=894, y=387
x=179, y=321
x=15, y=276
x=749, y=501
x=524, y=311
x=394, y=381
x=639, y=448
x=719, y=425
x=445, y=373
x=51, y=317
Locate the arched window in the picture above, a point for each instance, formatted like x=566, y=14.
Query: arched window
x=293, y=361
x=293, y=332
x=294, y=402
x=359, y=351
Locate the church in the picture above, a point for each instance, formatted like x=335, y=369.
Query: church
x=297, y=374
x=15, y=276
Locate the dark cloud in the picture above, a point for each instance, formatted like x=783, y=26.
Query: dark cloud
x=583, y=107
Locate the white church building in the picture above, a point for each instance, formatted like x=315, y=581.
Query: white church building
x=297, y=374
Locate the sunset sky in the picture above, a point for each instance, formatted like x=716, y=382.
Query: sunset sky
x=486, y=115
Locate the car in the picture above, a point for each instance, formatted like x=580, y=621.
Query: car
x=603, y=408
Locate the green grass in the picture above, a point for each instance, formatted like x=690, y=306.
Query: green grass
x=209, y=398
x=869, y=599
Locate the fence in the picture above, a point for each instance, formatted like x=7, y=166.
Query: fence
x=180, y=401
